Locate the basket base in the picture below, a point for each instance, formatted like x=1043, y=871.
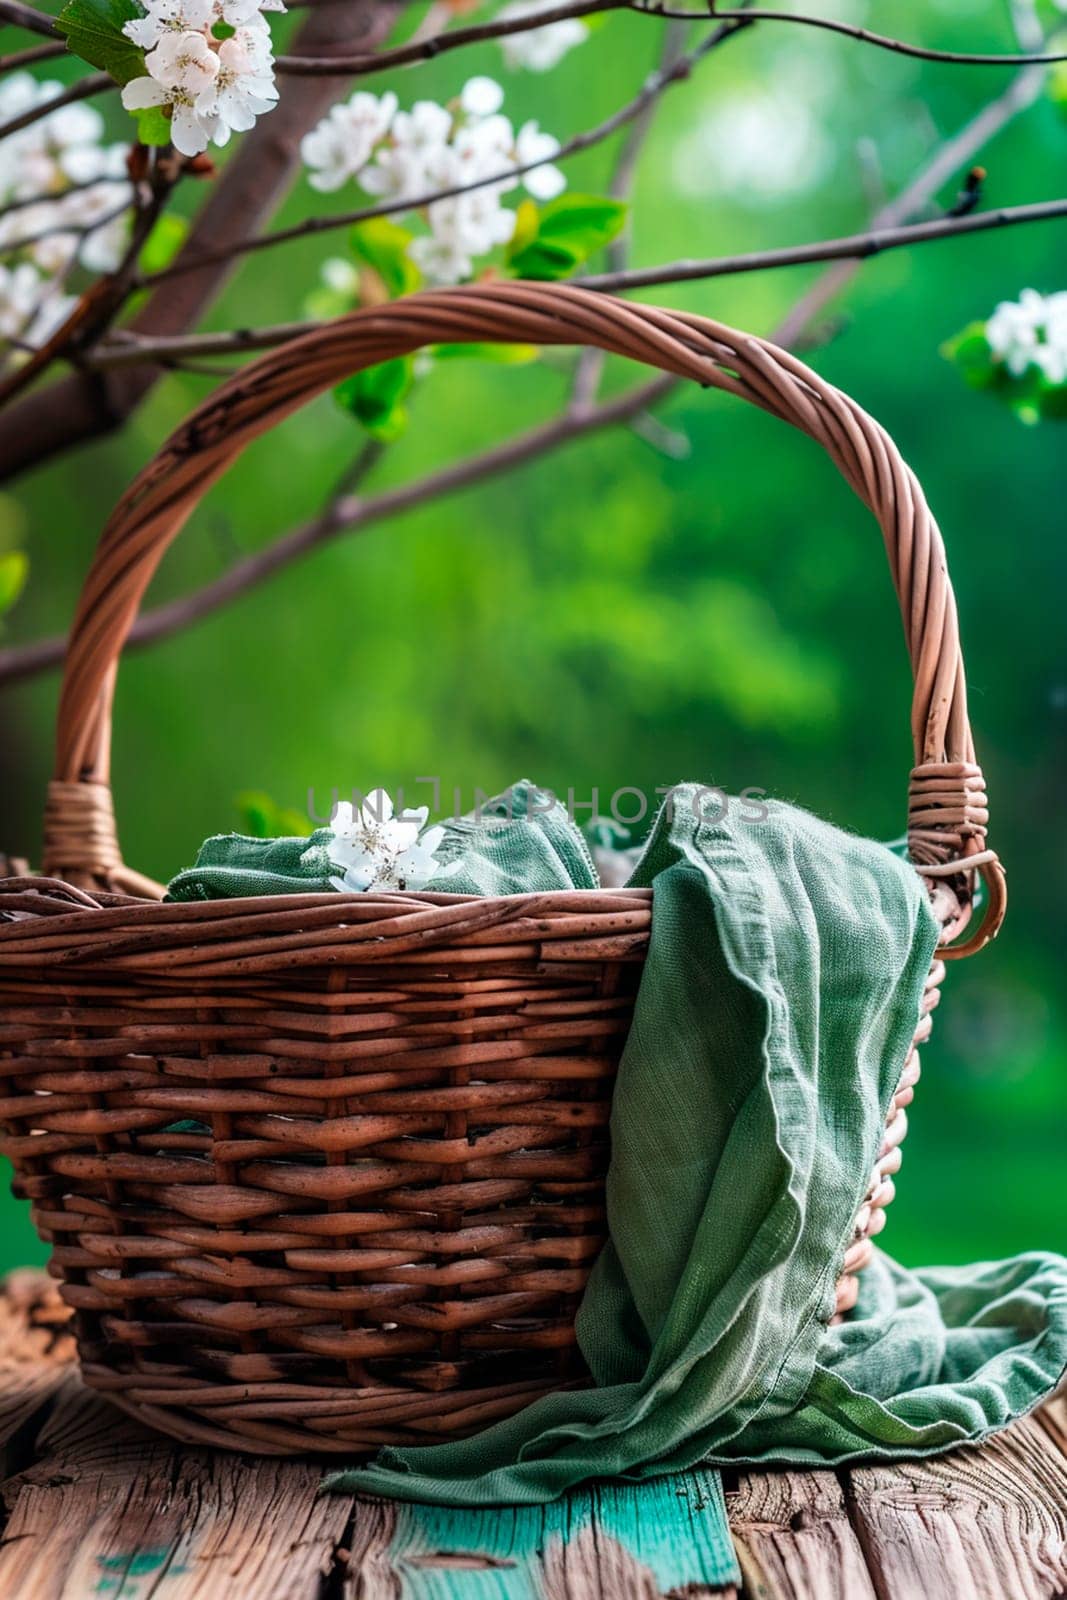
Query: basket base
x=295, y=1420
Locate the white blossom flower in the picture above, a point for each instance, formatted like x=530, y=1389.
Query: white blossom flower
x=340, y=275
x=80, y=189
x=244, y=88
x=1031, y=333
x=481, y=97
x=539, y=49
x=340, y=146
x=378, y=850
x=214, y=80
x=20, y=296
x=437, y=150
x=1012, y=330
x=184, y=60
x=193, y=123
x=170, y=16
x=544, y=181
x=403, y=168
x=30, y=307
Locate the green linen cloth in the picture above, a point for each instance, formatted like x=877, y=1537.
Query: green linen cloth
x=520, y=840
x=779, y=996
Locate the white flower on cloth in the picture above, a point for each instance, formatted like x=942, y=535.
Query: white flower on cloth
x=211, y=81
x=339, y=147
x=1031, y=332
x=539, y=49
x=377, y=849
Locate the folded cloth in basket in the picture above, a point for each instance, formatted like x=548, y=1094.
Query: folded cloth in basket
x=519, y=841
x=779, y=997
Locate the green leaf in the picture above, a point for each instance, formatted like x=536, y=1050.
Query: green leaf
x=383, y=245
x=263, y=818
x=553, y=242
x=1030, y=396
x=375, y=397
x=969, y=351
x=527, y=217
x=545, y=261
x=14, y=570
x=93, y=30
x=153, y=125
x=163, y=243
x=505, y=355
x=584, y=223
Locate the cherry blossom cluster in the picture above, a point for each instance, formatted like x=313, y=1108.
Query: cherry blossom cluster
x=409, y=155
x=376, y=849
x=64, y=199
x=209, y=66
x=1031, y=332
x=539, y=49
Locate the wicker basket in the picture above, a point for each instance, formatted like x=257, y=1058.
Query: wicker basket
x=323, y=1172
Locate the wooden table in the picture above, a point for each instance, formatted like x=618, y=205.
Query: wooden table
x=97, y=1508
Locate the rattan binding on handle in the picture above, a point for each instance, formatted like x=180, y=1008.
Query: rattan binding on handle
x=947, y=807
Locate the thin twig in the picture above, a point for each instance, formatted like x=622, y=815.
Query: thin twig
x=852, y=247
x=30, y=56
x=589, y=368
x=441, y=43
x=947, y=160
x=17, y=15
x=849, y=30
x=125, y=350
x=349, y=514
x=95, y=83
x=652, y=88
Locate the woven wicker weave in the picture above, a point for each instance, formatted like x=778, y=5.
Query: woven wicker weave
x=324, y=1172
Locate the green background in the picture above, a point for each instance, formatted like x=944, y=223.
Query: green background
x=704, y=602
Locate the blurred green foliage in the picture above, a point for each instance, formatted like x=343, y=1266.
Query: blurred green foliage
x=700, y=599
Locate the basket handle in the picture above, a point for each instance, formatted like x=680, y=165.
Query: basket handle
x=947, y=810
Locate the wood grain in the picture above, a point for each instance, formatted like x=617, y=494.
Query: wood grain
x=796, y=1540
x=98, y=1508
x=981, y=1524
x=607, y=1542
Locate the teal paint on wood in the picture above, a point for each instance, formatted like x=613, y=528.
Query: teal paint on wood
x=667, y=1535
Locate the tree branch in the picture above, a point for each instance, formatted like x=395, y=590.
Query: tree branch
x=126, y=351
x=440, y=44
x=30, y=20
x=957, y=152
x=83, y=89
x=84, y=405
x=852, y=247
x=348, y=514
x=34, y=53
x=650, y=91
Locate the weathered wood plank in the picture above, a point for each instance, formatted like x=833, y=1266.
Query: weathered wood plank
x=988, y=1523
x=795, y=1539
x=110, y=1511
x=104, y=1510
x=36, y=1353
x=611, y=1542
